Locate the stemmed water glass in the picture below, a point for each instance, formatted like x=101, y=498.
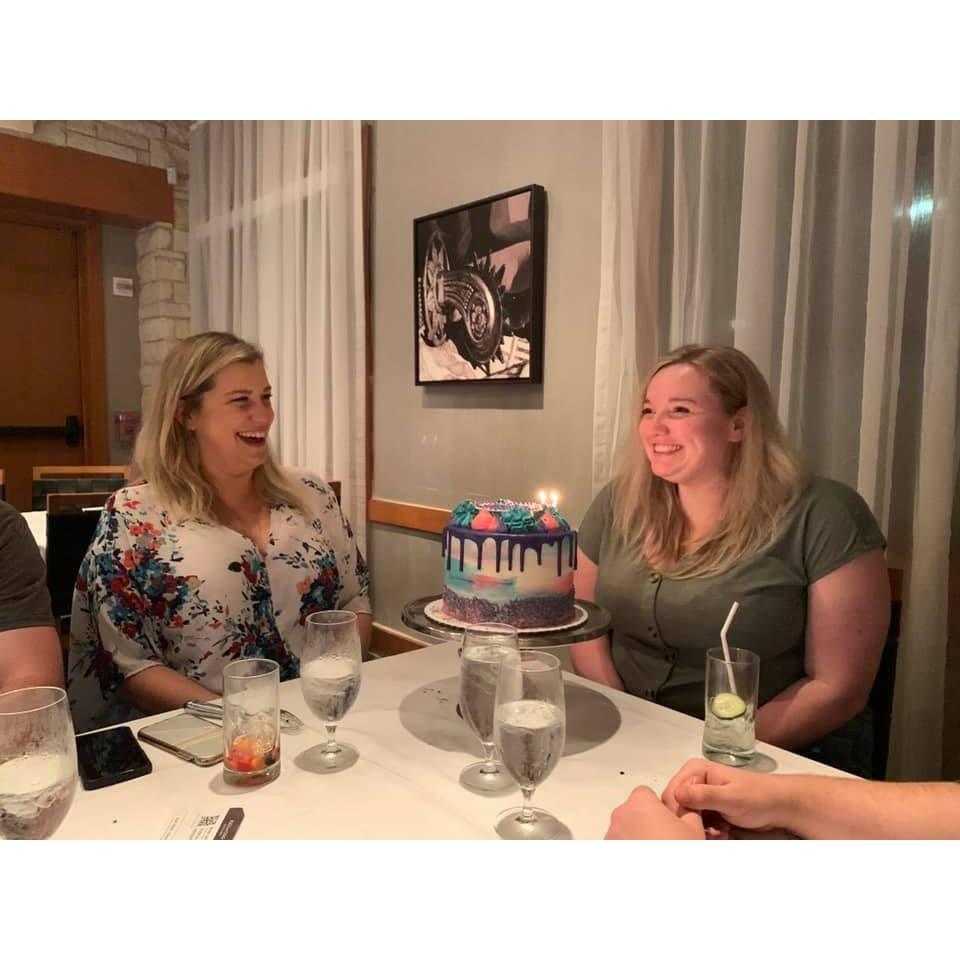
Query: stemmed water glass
x=330, y=678
x=485, y=646
x=529, y=729
x=38, y=762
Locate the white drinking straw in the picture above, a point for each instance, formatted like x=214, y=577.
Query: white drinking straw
x=726, y=649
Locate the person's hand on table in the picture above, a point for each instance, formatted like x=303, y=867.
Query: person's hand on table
x=642, y=816
x=742, y=799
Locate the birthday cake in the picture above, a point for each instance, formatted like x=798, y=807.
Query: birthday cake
x=508, y=562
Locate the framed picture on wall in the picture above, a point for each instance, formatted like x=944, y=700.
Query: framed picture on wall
x=478, y=290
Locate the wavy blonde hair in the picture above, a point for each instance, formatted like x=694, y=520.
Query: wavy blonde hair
x=766, y=475
x=166, y=452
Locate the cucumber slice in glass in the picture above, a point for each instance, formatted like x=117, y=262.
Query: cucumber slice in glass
x=727, y=706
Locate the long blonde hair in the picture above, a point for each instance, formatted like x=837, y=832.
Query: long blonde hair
x=166, y=452
x=766, y=475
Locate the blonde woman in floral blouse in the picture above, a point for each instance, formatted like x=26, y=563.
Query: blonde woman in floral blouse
x=218, y=554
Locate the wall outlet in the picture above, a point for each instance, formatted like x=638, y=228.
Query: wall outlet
x=122, y=286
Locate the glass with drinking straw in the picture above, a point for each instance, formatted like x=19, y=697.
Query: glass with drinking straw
x=730, y=701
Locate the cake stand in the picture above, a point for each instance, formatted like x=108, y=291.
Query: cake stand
x=596, y=625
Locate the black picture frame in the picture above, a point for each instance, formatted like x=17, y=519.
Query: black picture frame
x=478, y=290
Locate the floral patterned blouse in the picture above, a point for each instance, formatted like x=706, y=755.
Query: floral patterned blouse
x=193, y=596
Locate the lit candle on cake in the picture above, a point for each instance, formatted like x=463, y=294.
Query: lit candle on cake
x=542, y=498
x=553, y=499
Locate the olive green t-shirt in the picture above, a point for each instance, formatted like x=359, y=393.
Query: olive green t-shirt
x=663, y=627
x=24, y=601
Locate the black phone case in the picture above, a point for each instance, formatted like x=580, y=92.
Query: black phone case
x=108, y=778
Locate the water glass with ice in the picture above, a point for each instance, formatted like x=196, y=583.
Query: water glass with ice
x=38, y=762
x=330, y=678
x=485, y=647
x=529, y=729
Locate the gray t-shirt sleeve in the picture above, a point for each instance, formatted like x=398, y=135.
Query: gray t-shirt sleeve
x=839, y=528
x=24, y=601
x=595, y=524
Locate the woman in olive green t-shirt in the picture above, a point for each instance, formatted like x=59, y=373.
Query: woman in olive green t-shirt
x=714, y=507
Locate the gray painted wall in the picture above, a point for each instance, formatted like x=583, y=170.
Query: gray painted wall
x=437, y=445
x=121, y=333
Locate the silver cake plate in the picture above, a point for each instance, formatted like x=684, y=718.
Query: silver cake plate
x=434, y=610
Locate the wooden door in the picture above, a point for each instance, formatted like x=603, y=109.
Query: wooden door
x=41, y=350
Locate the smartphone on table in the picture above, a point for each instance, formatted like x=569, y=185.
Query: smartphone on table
x=110, y=756
x=188, y=737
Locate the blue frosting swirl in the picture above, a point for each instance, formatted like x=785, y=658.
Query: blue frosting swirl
x=510, y=516
x=463, y=513
x=518, y=520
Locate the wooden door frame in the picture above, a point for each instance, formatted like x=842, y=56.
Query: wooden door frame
x=85, y=229
x=117, y=191
x=48, y=185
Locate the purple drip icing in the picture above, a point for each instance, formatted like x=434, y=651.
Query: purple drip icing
x=535, y=541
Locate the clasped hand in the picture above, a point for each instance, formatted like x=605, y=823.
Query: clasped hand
x=703, y=800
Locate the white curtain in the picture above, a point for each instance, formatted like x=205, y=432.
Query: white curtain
x=629, y=283
x=276, y=256
x=919, y=694
x=792, y=241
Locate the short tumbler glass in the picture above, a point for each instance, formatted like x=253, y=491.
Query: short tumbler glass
x=251, y=722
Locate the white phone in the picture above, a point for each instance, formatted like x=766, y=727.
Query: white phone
x=190, y=738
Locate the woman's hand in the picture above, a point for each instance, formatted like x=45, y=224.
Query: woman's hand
x=643, y=817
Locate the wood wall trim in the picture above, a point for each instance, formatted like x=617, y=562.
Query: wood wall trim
x=366, y=159
x=119, y=191
x=410, y=516
x=385, y=642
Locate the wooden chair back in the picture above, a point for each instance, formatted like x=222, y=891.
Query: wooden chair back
x=75, y=479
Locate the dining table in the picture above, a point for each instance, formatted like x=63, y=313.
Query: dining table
x=412, y=747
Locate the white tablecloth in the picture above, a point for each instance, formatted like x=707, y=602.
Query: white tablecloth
x=37, y=522
x=412, y=748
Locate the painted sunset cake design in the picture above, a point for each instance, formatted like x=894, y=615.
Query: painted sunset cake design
x=508, y=562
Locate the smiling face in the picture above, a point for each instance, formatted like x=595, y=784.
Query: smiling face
x=233, y=419
x=686, y=432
